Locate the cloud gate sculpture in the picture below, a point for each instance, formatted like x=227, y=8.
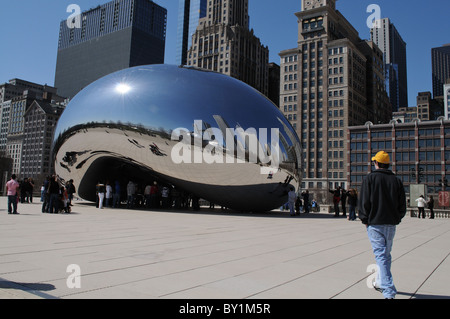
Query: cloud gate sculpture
x=202, y=132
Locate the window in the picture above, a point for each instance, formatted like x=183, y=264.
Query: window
x=437, y=156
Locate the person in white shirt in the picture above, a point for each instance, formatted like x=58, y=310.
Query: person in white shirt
x=109, y=194
x=421, y=203
x=101, y=194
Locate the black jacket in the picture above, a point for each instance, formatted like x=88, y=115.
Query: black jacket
x=382, y=200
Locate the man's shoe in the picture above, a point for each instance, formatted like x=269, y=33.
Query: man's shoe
x=377, y=288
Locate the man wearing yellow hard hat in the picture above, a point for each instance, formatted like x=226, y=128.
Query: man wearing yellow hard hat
x=382, y=158
x=382, y=206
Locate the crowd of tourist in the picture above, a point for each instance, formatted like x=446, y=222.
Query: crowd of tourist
x=149, y=196
x=57, y=198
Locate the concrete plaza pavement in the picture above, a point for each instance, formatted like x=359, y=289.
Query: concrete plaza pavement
x=211, y=254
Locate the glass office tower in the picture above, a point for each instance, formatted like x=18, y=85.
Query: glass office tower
x=189, y=13
x=114, y=36
x=440, y=63
x=386, y=36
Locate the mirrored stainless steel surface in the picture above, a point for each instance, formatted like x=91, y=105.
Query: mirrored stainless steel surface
x=203, y=132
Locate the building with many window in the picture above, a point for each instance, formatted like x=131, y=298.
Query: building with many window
x=224, y=43
x=447, y=100
x=420, y=152
x=330, y=81
x=39, y=124
x=16, y=89
x=440, y=63
x=386, y=36
x=16, y=125
x=17, y=96
x=189, y=14
x=114, y=36
x=427, y=109
x=274, y=83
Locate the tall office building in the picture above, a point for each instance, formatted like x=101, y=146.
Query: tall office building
x=447, y=100
x=16, y=98
x=440, y=60
x=189, y=14
x=386, y=36
x=224, y=43
x=114, y=36
x=8, y=91
x=429, y=109
x=274, y=83
x=330, y=81
x=36, y=161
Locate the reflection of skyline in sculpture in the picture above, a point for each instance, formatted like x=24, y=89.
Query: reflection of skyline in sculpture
x=165, y=107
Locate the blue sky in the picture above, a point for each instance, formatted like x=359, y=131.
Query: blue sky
x=29, y=32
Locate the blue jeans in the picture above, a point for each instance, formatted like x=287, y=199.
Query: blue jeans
x=53, y=204
x=130, y=202
x=292, y=208
x=352, y=212
x=382, y=237
x=12, y=204
x=116, y=200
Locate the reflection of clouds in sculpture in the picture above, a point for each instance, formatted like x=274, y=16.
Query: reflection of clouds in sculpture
x=158, y=108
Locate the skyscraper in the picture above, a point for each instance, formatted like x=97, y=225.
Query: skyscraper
x=224, y=43
x=440, y=59
x=112, y=37
x=41, y=117
x=388, y=39
x=16, y=97
x=447, y=100
x=330, y=81
x=189, y=14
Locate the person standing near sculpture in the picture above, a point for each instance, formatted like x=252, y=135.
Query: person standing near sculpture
x=165, y=195
x=305, y=196
x=117, y=194
x=352, y=197
x=70, y=191
x=431, y=207
x=131, y=190
x=382, y=206
x=154, y=193
x=46, y=195
x=344, y=195
x=101, y=194
x=53, y=191
x=421, y=203
x=147, y=195
x=336, y=199
x=31, y=188
x=12, y=191
x=25, y=188
x=292, y=197
x=108, y=195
